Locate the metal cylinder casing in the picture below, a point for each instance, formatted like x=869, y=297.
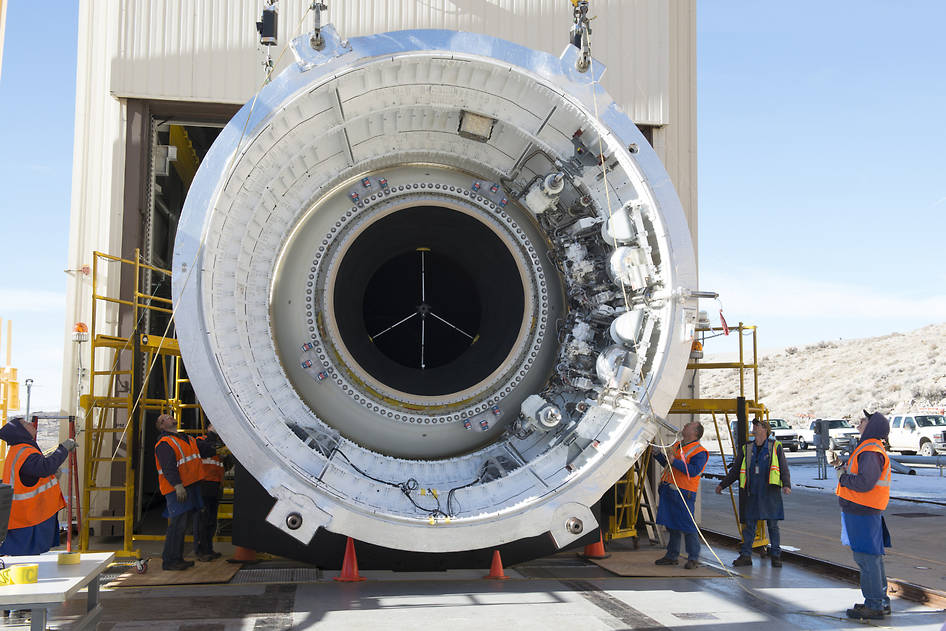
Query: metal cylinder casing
x=252, y=289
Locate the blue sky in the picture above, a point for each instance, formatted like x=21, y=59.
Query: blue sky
x=822, y=170
x=37, y=108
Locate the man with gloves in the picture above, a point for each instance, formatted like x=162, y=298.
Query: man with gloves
x=211, y=487
x=763, y=475
x=178, y=460
x=677, y=495
x=34, y=525
x=863, y=492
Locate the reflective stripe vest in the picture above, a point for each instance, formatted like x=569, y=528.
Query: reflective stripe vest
x=211, y=468
x=35, y=504
x=188, y=461
x=678, y=478
x=775, y=473
x=877, y=497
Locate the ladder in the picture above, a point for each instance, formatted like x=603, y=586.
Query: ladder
x=130, y=376
x=634, y=504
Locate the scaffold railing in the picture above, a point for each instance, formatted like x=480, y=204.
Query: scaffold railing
x=131, y=375
x=630, y=493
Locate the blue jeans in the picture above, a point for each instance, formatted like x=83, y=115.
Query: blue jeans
x=873, y=580
x=748, y=536
x=205, y=526
x=174, y=539
x=692, y=543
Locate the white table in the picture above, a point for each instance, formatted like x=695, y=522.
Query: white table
x=56, y=584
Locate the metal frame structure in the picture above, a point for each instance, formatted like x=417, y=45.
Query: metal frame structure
x=714, y=407
x=119, y=410
x=9, y=386
x=631, y=493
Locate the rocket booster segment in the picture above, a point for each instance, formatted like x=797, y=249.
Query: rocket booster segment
x=434, y=291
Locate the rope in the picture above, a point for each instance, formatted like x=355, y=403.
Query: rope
x=729, y=573
x=604, y=167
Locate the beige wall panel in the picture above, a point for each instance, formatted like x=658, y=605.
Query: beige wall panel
x=679, y=137
x=96, y=203
x=3, y=24
x=206, y=50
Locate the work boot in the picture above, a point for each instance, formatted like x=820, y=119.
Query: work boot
x=666, y=561
x=863, y=613
x=776, y=561
x=691, y=563
x=176, y=566
x=861, y=606
x=742, y=560
x=205, y=558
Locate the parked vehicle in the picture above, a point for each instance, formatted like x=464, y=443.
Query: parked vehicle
x=785, y=433
x=918, y=433
x=842, y=435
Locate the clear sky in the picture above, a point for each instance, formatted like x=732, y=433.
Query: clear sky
x=37, y=110
x=822, y=170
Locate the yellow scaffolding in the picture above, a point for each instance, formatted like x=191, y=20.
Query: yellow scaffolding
x=118, y=400
x=630, y=498
x=727, y=407
x=629, y=492
x=9, y=386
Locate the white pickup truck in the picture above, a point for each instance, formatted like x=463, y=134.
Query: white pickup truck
x=917, y=433
x=785, y=433
x=842, y=435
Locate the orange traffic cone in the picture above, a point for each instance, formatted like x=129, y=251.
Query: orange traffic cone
x=243, y=555
x=349, y=572
x=596, y=550
x=496, y=567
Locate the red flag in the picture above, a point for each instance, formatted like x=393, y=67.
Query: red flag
x=723, y=321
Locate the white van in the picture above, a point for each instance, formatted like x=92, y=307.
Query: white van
x=919, y=432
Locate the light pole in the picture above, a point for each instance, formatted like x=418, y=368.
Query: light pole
x=29, y=386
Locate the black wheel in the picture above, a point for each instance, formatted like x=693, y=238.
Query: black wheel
x=802, y=445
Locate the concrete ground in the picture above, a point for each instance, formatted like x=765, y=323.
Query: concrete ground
x=558, y=592
x=813, y=526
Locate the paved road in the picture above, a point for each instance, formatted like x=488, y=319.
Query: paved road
x=813, y=525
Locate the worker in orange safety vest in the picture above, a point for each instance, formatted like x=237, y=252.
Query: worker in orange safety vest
x=178, y=460
x=863, y=492
x=677, y=494
x=211, y=485
x=33, y=527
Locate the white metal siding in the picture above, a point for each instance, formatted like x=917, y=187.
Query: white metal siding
x=98, y=164
x=3, y=23
x=679, y=155
x=206, y=50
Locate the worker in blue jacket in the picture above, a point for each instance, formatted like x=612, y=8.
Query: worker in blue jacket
x=762, y=471
x=863, y=492
x=37, y=499
x=677, y=495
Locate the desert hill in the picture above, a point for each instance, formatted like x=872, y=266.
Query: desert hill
x=894, y=372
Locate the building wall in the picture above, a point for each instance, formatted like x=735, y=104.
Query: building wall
x=3, y=28
x=206, y=51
